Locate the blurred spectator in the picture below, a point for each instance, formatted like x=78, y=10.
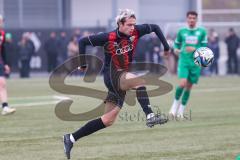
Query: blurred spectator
x=92, y=51
x=156, y=50
x=213, y=44
x=232, y=42
x=140, y=51
x=73, y=47
x=35, y=40
x=77, y=32
x=25, y=50
x=149, y=47
x=62, y=47
x=156, y=58
x=150, y=42
x=35, y=62
x=10, y=49
x=51, y=48
x=72, y=52
x=172, y=58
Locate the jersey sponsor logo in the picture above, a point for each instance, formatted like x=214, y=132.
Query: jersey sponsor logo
x=132, y=38
x=125, y=49
x=119, y=48
x=191, y=40
x=197, y=33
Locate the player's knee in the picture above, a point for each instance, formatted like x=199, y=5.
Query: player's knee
x=189, y=86
x=108, y=121
x=183, y=84
x=142, y=82
x=109, y=118
x=2, y=84
x=138, y=83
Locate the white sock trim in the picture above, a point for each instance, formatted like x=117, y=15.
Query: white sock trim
x=72, y=138
x=174, y=107
x=181, y=109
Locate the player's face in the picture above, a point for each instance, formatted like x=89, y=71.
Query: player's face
x=191, y=20
x=127, y=27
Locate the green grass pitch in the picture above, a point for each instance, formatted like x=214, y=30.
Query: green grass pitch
x=35, y=133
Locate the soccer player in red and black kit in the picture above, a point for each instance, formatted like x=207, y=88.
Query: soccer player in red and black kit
x=119, y=46
x=4, y=68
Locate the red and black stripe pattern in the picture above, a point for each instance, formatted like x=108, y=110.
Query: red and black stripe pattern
x=118, y=47
x=2, y=41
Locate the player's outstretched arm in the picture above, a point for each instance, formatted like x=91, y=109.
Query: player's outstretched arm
x=144, y=29
x=155, y=28
x=93, y=40
x=178, y=43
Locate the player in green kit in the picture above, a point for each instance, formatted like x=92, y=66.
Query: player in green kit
x=187, y=41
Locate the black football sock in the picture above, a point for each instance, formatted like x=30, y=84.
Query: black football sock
x=5, y=104
x=143, y=99
x=89, y=128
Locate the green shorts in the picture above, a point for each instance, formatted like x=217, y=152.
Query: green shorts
x=189, y=71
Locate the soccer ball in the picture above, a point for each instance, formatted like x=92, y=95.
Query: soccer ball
x=203, y=57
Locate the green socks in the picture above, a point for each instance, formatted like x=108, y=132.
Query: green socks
x=185, y=97
x=178, y=93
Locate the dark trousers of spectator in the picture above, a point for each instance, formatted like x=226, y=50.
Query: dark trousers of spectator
x=25, y=68
x=52, y=62
x=232, y=62
x=214, y=67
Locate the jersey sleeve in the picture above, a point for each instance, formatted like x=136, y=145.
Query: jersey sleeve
x=143, y=29
x=204, y=40
x=93, y=40
x=178, y=40
x=148, y=28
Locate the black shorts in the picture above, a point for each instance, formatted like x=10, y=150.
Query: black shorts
x=112, y=82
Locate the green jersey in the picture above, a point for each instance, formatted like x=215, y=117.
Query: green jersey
x=196, y=37
x=187, y=37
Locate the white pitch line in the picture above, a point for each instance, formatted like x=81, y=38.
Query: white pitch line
x=34, y=104
x=216, y=89
x=57, y=98
x=31, y=97
x=60, y=97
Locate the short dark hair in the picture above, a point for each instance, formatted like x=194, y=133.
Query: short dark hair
x=192, y=13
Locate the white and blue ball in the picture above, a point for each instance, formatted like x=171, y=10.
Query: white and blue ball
x=203, y=57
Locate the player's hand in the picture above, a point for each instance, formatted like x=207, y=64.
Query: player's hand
x=190, y=49
x=7, y=69
x=177, y=51
x=166, y=54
